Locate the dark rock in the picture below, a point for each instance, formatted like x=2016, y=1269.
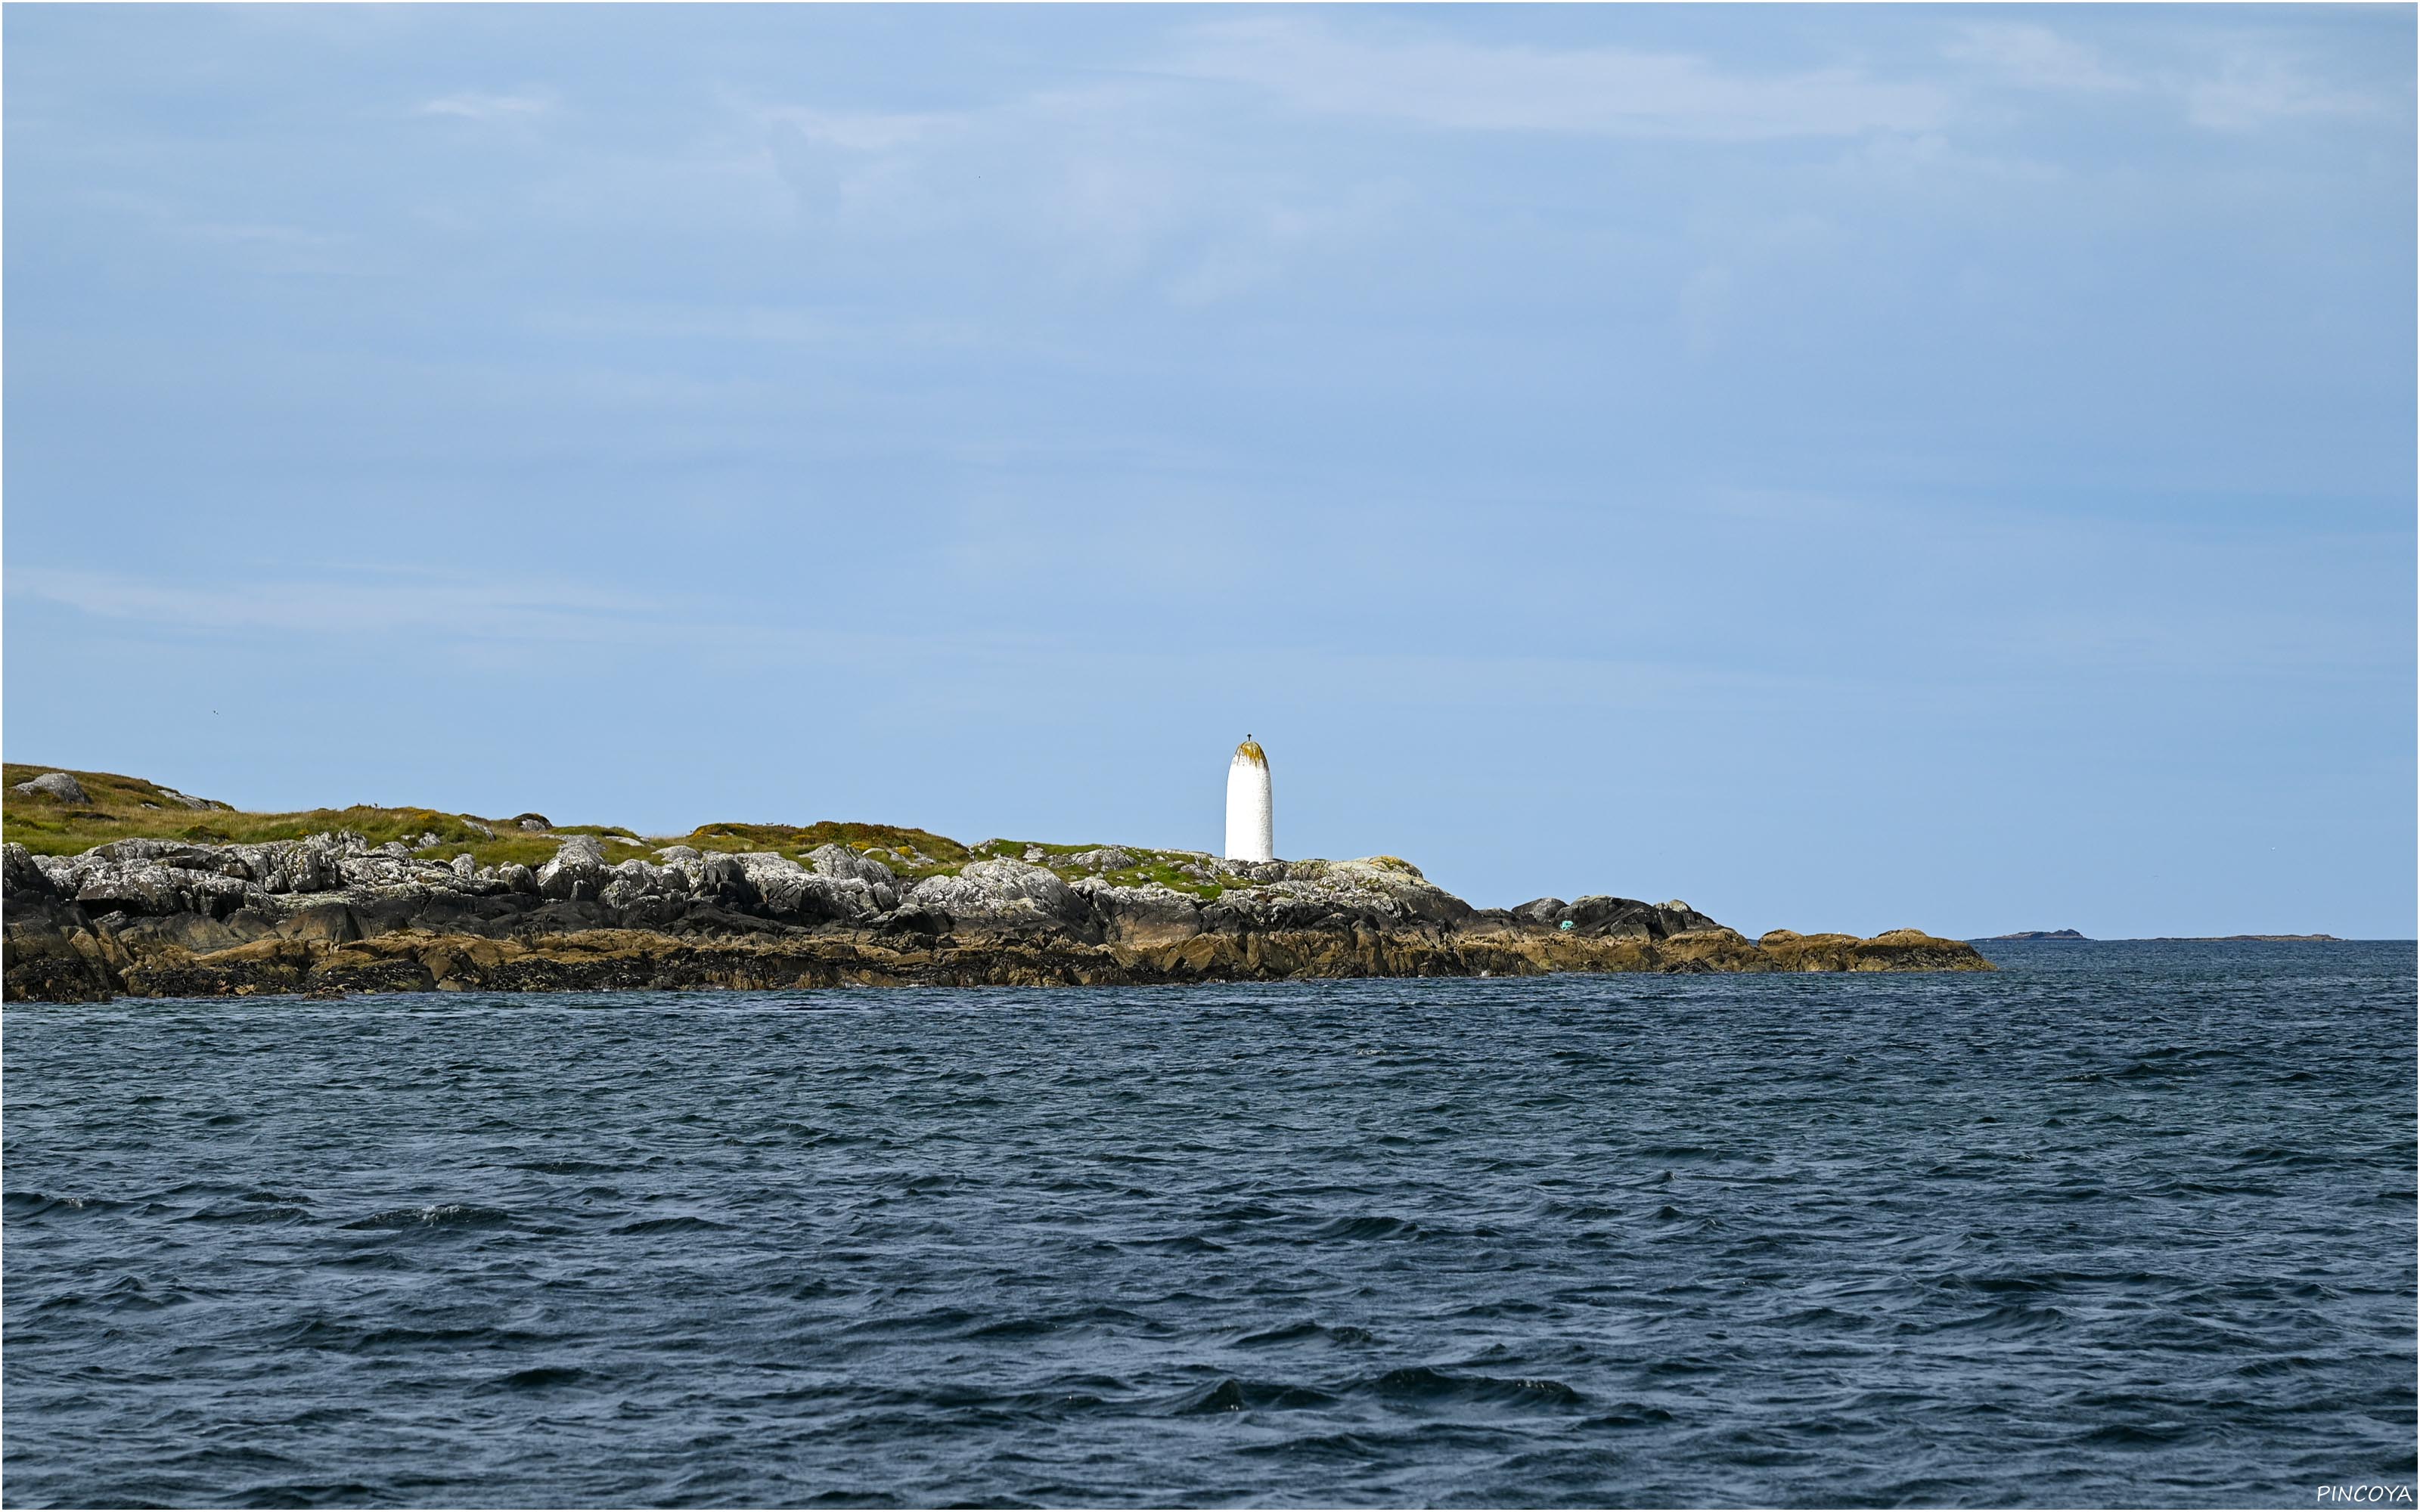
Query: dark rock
x=20, y=876
x=724, y=881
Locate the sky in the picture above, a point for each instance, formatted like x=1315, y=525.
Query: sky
x=1843, y=468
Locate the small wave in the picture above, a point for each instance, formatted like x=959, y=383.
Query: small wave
x=2008, y=1319
x=436, y=1215
x=1348, y=1447
x=2283, y=1364
x=686, y=1224
x=1683, y=1366
x=1582, y=1211
x=129, y=1294
x=2139, y=1435
x=1308, y=1330
x=315, y=1493
x=1376, y=1226
x=538, y=1378
x=1244, y=1212
x=1016, y=1328
x=1681, y=1152
x=1231, y=1394
x=1421, y=1383
x=937, y=1320
x=21, y=1205
x=1629, y=1415
x=247, y=1215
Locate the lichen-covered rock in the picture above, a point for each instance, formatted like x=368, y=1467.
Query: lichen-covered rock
x=998, y=894
x=145, y=888
x=331, y=912
x=840, y=861
x=59, y=785
x=577, y=873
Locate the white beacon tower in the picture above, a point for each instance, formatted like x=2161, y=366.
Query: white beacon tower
x=1250, y=832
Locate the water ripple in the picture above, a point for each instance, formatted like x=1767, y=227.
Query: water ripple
x=2118, y=1226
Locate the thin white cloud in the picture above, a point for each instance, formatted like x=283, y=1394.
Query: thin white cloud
x=2235, y=84
x=1447, y=83
x=2037, y=57
x=474, y=106
x=465, y=609
x=1123, y=183
x=2253, y=86
x=860, y=131
x=289, y=247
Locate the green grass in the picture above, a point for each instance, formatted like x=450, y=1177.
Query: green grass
x=1149, y=865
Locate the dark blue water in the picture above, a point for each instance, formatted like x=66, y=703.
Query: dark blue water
x=2123, y=1225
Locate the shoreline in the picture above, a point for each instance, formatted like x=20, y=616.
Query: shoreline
x=185, y=897
x=330, y=914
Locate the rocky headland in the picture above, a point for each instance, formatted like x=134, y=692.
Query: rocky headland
x=200, y=913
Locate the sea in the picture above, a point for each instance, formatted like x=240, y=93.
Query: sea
x=2119, y=1225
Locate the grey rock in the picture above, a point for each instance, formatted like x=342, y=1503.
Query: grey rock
x=142, y=887
x=998, y=894
x=1148, y=915
x=779, y=882
x=66, y=872
x=1102, y=859
x=577, y=873
x=634, y=882
x=840, y=861
x=59, y=785
x=792, y=893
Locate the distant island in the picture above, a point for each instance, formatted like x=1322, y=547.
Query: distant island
x=2158, y=939
x=116, y=885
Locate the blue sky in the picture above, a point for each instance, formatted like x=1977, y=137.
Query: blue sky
x=1843, y=468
